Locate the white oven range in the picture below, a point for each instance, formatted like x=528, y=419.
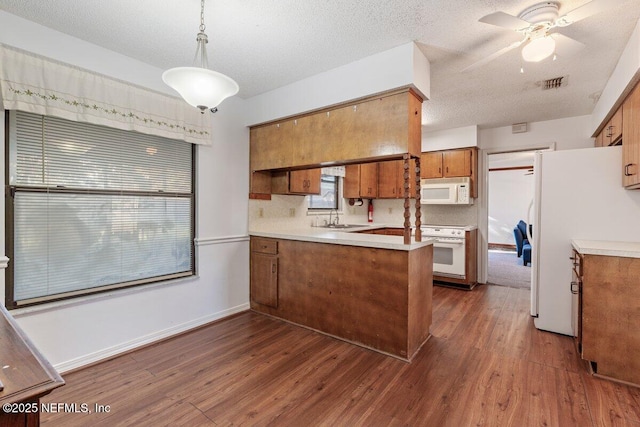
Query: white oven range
x=448, y=249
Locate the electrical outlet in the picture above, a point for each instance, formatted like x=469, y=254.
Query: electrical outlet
x=292, y=212
x=260, y=213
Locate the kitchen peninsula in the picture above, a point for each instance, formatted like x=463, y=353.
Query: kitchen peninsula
x=368, y=289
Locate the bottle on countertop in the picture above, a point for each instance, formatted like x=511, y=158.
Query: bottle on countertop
x=370, y=214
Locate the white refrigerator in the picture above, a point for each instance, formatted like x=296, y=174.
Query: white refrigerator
x=578, y=195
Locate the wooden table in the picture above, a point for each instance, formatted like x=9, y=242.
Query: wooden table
x=25, y=374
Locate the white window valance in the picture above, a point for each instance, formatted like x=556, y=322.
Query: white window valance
x=40, y=85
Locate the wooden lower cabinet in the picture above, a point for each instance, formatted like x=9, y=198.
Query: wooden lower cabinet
x=264, y=271
x=607, y=315
x=377, y=298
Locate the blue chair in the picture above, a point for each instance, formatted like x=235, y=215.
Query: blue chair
x=523, y=247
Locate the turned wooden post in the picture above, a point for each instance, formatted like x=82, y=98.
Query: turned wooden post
x=418, y=213
x=407, y=203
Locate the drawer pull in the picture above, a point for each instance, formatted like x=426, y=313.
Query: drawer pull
x=574, y=287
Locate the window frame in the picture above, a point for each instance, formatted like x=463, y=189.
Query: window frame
x=10, y=302
x=337, y=196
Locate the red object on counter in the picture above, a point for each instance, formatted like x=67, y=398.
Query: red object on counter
x=370, y=216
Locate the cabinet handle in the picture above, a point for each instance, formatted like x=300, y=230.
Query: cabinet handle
x=273, y=268
x=626, y=169
x=447, y=169
x=574, y=287
x=609, y=132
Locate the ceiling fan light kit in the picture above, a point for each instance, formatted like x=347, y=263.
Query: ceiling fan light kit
x=198, y=85
x=538, y=49
x=538, y=24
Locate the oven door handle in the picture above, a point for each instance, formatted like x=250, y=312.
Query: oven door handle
x=450, y=242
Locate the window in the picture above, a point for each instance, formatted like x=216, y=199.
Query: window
x=92, y=208
x=328, y=198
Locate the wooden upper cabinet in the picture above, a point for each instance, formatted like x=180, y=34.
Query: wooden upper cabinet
x=369, y=180
x=388, y=179
x=461, y=162
x=456, y=163
x=296, y=182
x=270, y=146
x=631, y=142
x=600, y=139
x=391, y=179
x=361, y=181
x=431, y=165
x=385, y=126
x=447, y=164
x=615, y=127
x=305, y=181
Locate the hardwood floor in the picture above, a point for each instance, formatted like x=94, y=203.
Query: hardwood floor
x=485, y=364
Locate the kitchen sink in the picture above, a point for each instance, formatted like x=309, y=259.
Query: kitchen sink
x=340, y=226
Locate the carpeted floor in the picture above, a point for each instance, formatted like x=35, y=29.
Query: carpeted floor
x=506, y=269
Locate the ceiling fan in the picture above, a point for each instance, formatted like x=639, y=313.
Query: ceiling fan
x=537, y=24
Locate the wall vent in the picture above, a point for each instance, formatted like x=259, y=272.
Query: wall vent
x=554, y=83
x=519, y=128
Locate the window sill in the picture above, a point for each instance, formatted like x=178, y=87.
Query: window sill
x=55, y=305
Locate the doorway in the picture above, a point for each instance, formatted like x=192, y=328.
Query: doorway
x=510, y=191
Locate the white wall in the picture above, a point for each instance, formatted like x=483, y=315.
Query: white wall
x=509, y=198
x=622, y=80
x=80, y=331
x=563, y=134
x=448, y=139
x=402, y=66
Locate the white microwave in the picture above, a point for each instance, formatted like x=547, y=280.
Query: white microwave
x=446, y=191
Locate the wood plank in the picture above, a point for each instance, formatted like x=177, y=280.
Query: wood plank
x=256, y=370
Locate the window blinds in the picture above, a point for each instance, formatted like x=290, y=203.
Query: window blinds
x=95, y=208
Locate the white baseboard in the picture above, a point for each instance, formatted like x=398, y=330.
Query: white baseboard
x=145, y=340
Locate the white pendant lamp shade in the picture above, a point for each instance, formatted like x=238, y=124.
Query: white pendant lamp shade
x=538, y=49
x=200, y=87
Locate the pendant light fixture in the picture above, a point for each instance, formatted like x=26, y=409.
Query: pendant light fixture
x=198, y=85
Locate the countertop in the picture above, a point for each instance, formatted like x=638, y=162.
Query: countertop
x=348, y=237
x=607, y=248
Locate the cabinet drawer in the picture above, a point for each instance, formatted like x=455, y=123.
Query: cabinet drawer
x=265, y=246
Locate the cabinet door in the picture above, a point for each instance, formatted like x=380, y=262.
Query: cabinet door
x=305, y=181
x=264, y=279
x=431, y=165
x=614, y=129
x=388, y=174
x=369, y=180
x=456, y=163
x=600, y=139
x=351, y=182
x=631, y=142
x=270, y=146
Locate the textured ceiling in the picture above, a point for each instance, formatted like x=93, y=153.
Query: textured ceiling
x=266, y=44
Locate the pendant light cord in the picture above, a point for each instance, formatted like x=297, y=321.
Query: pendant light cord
x=202, y=39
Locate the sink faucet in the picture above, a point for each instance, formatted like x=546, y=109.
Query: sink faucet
x=337, y=220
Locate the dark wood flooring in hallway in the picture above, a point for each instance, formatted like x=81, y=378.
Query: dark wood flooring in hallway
x=485, y=364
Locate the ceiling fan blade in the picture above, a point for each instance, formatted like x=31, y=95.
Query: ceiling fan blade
x=586, y=10
x=505, y=20
x=492, y=56
x=566, y=46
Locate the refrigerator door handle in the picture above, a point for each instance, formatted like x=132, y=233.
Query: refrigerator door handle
x=529, y=236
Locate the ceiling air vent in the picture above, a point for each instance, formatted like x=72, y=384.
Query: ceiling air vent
x=554, y=83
